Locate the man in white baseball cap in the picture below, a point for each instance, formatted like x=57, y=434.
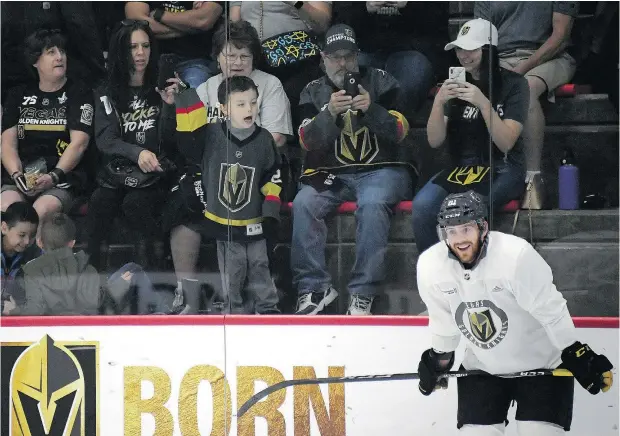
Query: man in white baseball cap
x=474, y=34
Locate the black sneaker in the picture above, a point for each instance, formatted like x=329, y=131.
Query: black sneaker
x=312, y=303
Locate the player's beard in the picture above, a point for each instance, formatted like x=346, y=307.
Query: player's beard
x=470, y=254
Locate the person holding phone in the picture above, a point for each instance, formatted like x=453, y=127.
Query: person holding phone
x=134, y=128
x=464, y=117
x=354, y=152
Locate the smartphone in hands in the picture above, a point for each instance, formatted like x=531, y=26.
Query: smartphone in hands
x=457, y=74
x=167, y=67
x=350, y=84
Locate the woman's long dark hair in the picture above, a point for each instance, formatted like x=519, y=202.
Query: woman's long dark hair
x=489, y=73
x=120, y=62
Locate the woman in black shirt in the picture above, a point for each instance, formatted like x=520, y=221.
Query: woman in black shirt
x=134, y=128
x=46, y=124
x=491, y=101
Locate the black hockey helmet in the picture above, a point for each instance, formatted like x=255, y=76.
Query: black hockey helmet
x=462, y=208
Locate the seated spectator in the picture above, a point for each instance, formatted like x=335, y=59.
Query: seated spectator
x=236, y=48
x=19, y=227
x=354, y=152
x=241, y=183
x=46, y=128
x=401, y=38
x=287, y=31
x=184, y=31
x=533, y=37
x=463, y=117
x=58, y=282
x=134, y=130
x=73, y=19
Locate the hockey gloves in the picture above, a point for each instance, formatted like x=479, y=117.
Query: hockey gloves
x=432, y=366
x=591, y=370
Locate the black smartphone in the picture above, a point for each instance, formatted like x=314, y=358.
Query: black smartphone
x=350, y=84
x=167, y=67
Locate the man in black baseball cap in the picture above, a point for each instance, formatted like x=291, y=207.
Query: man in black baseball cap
x=340, y=53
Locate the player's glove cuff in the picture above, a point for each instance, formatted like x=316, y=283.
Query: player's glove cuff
x=591, y=370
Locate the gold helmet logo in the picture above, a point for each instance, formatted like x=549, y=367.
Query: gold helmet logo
x=355, y=145
x=464, y=30
x=47, y=392
x=236, y=182
x=482, y=326
x=468, y=175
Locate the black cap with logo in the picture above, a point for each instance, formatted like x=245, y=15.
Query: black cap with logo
x=340, y=37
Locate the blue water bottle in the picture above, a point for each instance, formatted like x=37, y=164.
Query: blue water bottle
x=568, y=182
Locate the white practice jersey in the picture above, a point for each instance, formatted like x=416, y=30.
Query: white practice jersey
x=508, y=309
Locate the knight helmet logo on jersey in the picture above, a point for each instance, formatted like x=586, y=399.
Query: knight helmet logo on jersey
x=236, y=182
x=482, y=326
x=52, y=388
x=468, y=175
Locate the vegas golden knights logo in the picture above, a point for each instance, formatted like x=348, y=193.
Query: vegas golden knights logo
x=482, y=326
x=464, y=30
x=468, y=175
x=48, y=392
x=355, y=146
x=235, y=190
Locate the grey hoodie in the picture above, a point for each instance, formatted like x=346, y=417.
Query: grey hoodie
x=59, y=282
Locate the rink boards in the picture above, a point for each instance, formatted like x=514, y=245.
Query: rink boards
x=163, y=376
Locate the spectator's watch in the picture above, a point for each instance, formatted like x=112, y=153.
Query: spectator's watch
x=58, y=176
x=298, y=5
x=158, y=14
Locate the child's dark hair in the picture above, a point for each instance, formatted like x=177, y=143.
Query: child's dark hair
x=36, y=43
x=20, y=212
x=57, y=230
x=234, y=84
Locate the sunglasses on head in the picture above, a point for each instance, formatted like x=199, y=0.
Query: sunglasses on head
x=131, y=22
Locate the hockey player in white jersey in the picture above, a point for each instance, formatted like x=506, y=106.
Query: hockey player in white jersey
x=497, y=291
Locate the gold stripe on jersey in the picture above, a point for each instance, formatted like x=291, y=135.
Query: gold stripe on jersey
x=46, y=127
x=229, y=222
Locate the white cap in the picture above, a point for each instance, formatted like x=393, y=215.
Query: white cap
x=474, y=34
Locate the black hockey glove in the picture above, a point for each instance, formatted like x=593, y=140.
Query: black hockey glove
x=432, y=366
x=592, y=371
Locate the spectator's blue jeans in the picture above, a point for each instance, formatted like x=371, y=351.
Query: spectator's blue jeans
x=193, y=72
x=507, y=185
x=413, y=71
x=149, y=300
x=376, y=192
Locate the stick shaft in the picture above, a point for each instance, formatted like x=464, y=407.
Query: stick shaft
x=386, y=377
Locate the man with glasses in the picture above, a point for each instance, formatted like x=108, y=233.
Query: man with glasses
x=497, y=291
x=352, y=131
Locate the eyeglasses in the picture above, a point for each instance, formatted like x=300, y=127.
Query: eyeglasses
x=131, y=22
x=231, y=58
x=348, y=58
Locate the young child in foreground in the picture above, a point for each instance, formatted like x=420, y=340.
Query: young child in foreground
x=240, y=193
x=19, y=227
x=59, y=282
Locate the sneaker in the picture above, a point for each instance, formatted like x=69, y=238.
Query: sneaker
x=360, y=305
x=312, y=303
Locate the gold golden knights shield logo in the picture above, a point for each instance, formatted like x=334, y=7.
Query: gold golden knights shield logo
x=236, y=182
x=468, y=175
x=51, y=388
x=482, y=326
x=355, y=146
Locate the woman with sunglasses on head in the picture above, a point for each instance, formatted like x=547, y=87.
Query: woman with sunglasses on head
x=46, y=127
x=134, y=128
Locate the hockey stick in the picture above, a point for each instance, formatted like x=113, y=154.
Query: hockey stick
x=386, y=377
